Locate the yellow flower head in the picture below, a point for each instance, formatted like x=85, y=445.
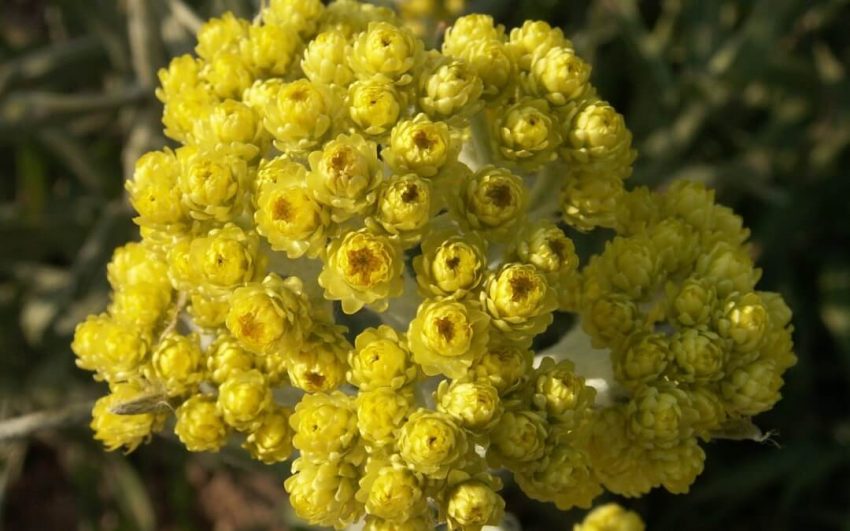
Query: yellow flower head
x=474, y=405
x=559, y=75
x=562, y=393
x=380, y=358
x=447, y=336
x=225, y=357
x=243, y=398
x=388, y=50
x=519, y=437
x=299, y=114
x=128, y=431
x=269, y=49
x=324, y=493
x=226, y=258
x=269, y=315
x=326, y=428
x=374, y=105
x=431, y=443
x=472, y=505
x=450, y=265
x=319, y=365
x=381, y=412
x=503, y=365
x=403, y=208
x=325, y=59
x=344, y=175
x=177, y=363
x=450, y=89
x=270, y=440
x=362, y=269
x=199, y=425
x=154, y=193
x=610, y=517
x=492, y=200
x=535, y=38
x=212, y=183
x=391, y=492
x=291, y=219
x=518, y=299
x=526, y=134
x=420, y=146
x=112, y=350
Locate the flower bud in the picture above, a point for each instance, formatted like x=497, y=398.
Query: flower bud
x=326, y=427
x=325, y=61
x=270, y=440
x=344, y=175
x=199, y=425
x=474, y=405
x=177, y=363
x=374, y=105
x=420, y=146
x=431, y=443
x=128, y=431
x=380, y=359
x=243, y=398
x=472, y=505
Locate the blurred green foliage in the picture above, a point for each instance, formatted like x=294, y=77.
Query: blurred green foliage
x=752, y=97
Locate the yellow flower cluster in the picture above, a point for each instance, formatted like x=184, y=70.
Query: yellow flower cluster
x=331, y=165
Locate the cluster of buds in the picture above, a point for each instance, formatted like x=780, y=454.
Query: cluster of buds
x=330, y=166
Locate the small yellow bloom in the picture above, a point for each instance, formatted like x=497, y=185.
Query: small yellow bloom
x=225, y=259
x=610, y=517
x=380, y=412
x=403, y=208
x=559, y=75
x=128, y=431
x=270, y=441
x=525, y=134
x=447, y=336
x=388, y=50
x=391, y=492
x=178, y=363
x=325, y=59
x=319, y=365
x=269, y=315
x=380, y=359
x=503, y=365
x=287, y=214
x=212, y=182
x=300, y=114
x=518, y=438
x=450, y=89
x=323, y=493
x=225, y=357
x=374, y=105
x=450, y=265
x=362, y=269
x=420, y=146
x=326, y=428
x=344, y=175
x=199, y=425
x=474, y=405
x=519, y=300
x=472, y=505
x=243, y=398
x=492, y=200
x=431, y=443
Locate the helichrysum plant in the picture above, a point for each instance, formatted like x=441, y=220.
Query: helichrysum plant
x=330, y=165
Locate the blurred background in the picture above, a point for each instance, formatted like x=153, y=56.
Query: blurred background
x=752, y=97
